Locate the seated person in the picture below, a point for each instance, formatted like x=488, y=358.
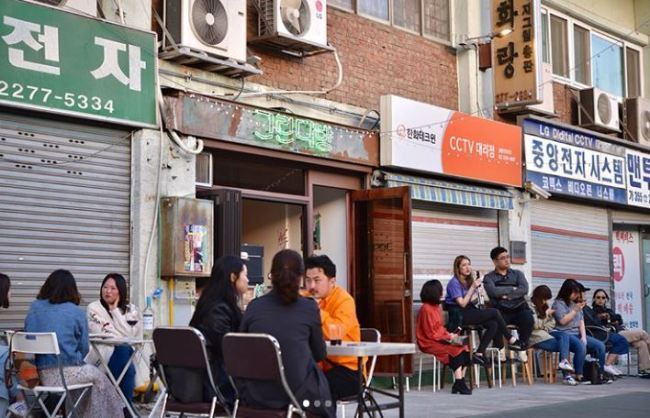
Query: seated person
x=638, y=338
x=507, y=290
x=295, y=322
x=617, y=343
x=337, y=308
x=433, y=337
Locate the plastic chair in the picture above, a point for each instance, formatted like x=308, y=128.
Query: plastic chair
x=46, y=343
x=183, y=366
x=267, y=366
x=368, y=335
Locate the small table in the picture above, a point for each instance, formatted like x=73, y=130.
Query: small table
x=368, y=349
x=137, y=345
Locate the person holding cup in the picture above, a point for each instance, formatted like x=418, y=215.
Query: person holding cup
x=340, y=323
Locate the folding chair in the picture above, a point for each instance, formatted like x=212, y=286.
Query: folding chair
x=46, y=343
x=369, y=335
x=183, y=366
x=266, y=366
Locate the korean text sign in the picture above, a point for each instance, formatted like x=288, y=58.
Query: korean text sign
x=638, y=178
x=569, y=162
x=516, y=63
x=66, y=63
x=428, y=138
x=627, y=278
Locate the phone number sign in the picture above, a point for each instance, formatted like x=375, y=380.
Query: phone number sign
x=61, y=62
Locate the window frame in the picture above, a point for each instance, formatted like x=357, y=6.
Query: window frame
x=571, y=23
x=390, y=22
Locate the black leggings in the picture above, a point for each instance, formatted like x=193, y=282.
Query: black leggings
x=492, y=321
x=461, y=360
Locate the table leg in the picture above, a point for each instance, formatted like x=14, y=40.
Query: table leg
x=400, y=386
x=361, y=387
x=115, y=383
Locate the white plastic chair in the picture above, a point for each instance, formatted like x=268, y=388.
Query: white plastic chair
x=369, y=335
x=47, y=343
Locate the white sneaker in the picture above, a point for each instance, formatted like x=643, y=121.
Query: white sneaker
x=569, y=380
x=18, y=408
x=565, y=365
x=522, y=356
x=612, y=370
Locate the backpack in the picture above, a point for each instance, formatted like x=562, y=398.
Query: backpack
x=592, y=372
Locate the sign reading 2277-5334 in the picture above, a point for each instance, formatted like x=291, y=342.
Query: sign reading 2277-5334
x=66, y=63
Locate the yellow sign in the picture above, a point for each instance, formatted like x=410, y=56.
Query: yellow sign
x=516, y=61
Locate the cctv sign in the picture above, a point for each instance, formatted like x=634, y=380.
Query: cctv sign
x=427, y=138
x=569, y=162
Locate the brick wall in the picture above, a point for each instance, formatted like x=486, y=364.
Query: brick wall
x=377, y=59
x=566, y=103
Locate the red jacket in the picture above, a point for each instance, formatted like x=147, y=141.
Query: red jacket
x=431, y=334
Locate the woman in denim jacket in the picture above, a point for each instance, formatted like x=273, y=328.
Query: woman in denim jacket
x=56, y=310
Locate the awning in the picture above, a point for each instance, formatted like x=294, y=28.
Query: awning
x=431, y=190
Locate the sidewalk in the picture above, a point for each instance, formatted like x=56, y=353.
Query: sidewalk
x=585, y=401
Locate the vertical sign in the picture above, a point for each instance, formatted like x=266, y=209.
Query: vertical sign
x=627, y=278
x=61, y=62
x=516, y=63
x=638, y=178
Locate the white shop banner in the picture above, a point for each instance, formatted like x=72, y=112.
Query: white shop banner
x=627, y=278
x=638, y=178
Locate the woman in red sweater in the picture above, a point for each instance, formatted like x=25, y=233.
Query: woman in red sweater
x=433, y=337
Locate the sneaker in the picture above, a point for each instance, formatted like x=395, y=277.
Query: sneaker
x=522, y=356
x=569, y=380
x=583, y=381
x=612, y=370
x=517, y=346
x=565, y=365
x=18, y=408
x=606, y=379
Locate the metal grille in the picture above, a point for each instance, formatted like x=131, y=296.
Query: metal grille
x=266, y=20
x=64, y=203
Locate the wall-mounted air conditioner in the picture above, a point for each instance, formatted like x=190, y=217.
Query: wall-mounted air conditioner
x=599, y=110
x=637, y=120
x=292, y=25
x=216, y=27
x=88, y=7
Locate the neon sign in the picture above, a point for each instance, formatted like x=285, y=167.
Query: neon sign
x=287, y=130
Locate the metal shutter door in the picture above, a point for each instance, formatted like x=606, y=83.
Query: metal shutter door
x=64, y=203
x=631, y=218
x=441, y=234
x=569, y=241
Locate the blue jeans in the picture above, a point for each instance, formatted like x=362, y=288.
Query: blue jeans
x=594, y=347
x=116, y=364
x=619, y=344
x=559, y=344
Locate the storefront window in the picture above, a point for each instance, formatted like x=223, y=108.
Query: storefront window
x=607, y=65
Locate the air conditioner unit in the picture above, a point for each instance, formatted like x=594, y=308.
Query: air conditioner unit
x=88, y=7
x=599, y=110
x=216, y=27
x=293, y=24
x=637, y=120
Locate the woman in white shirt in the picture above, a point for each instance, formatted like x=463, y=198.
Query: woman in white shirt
x=114, y=316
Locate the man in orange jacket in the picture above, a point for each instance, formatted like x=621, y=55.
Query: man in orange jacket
x=339, y=316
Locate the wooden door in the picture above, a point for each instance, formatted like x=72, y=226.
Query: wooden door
x=380, y=258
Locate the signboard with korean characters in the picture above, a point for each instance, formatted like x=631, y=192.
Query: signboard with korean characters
x=638, y=178
x=57, y=61
x=432, y=139
x=516, y=58
x=627, y=278
x=571, y=162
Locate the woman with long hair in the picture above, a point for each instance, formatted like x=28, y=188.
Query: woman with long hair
x=113, y=315
x=570, y=319
x=56, y=309
x=7, y=393
x=433, y=338
x=460, y=302
x=295, y=322
x=545, y=336
x=218, y=312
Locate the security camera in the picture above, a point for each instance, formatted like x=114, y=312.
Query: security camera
x=537, y=190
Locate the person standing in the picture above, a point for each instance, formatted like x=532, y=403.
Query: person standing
x=338, y=315
x=507, y=289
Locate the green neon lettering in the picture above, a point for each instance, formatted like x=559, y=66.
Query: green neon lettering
x=283, y=129
x=265, y=120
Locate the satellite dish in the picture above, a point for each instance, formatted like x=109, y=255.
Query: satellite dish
x=209, y=21
x=295, y=16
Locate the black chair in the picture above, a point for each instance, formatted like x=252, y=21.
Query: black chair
x=184, y=368
x=264, y=364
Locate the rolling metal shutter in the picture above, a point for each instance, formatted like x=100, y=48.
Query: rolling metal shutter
x=442, y=232
x=569, y=241
x=64, y=203
x=631, y=218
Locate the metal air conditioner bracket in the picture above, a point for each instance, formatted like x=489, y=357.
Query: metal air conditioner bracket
x=200, y=59
x=291, y=46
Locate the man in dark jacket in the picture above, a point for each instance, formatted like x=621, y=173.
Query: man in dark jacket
x=507, y=289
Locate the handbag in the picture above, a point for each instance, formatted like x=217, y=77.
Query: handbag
x=592, y=372
x=21, y=367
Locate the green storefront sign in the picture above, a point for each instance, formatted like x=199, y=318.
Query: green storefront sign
x=61, y=62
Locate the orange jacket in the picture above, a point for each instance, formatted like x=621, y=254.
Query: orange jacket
x=339, y=308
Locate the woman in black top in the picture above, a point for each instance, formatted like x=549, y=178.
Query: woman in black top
x=295, y=322
x=218, y=313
